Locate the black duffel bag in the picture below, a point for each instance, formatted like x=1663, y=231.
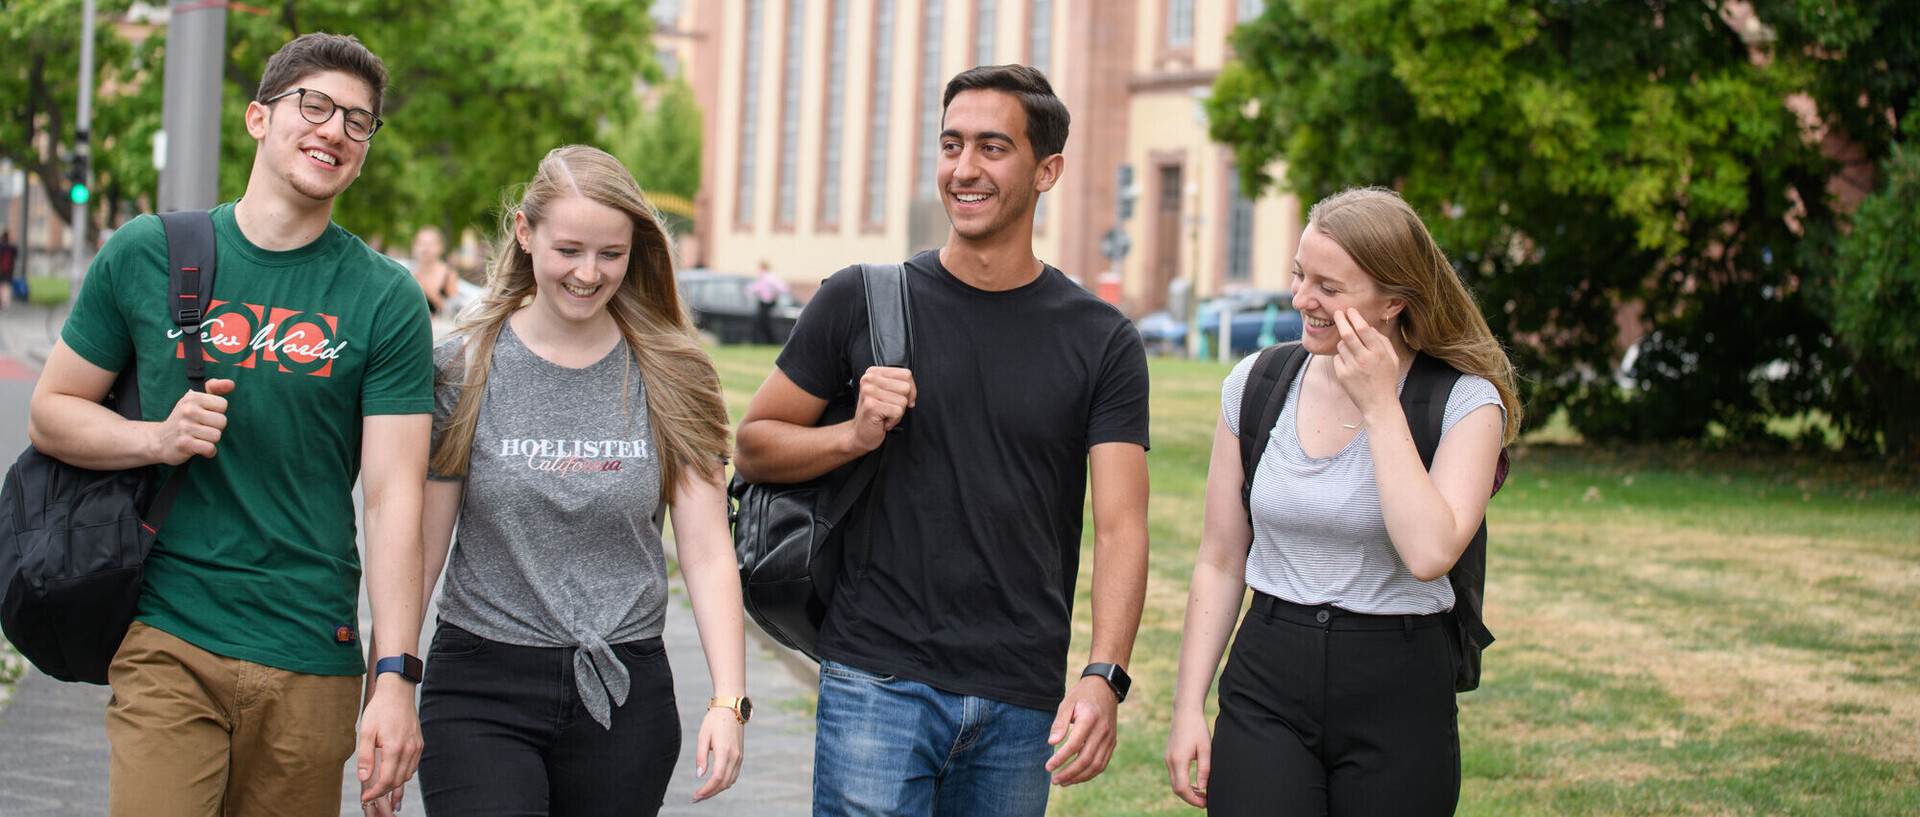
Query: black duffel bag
x=788, y=536
x=74, y=541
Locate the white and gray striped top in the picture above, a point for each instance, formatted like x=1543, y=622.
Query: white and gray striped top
x=1318, y=534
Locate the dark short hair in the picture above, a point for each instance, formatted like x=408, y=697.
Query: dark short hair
x=309, y=54
x=1047, y=117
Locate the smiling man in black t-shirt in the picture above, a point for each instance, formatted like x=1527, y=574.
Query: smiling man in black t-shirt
x=946, y=640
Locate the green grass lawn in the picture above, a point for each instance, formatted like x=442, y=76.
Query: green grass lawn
x=1680, y=631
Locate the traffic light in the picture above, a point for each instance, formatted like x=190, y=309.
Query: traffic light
x=77, y=173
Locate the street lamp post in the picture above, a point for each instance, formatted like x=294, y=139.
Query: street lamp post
x=82, y=150
x=189, y=149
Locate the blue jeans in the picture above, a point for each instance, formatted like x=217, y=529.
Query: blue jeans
x=889, y=746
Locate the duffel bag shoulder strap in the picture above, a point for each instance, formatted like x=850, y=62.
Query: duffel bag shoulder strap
x=190, y=269
x=890, y=330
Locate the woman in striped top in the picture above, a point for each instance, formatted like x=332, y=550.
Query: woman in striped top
x=1338, y=698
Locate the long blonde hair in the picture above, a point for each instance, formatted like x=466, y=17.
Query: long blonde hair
x=687, y=413
x=1386, y=238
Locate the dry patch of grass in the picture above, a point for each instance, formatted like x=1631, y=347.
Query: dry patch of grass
x=1741, y=632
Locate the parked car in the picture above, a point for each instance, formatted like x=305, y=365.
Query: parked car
x=722, y=306
x=1257, y=314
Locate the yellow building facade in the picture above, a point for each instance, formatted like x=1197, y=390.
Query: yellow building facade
x=822, y=117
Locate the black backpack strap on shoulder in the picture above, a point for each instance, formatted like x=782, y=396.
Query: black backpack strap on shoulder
x=890, y=325
x=890, y=329
x=1261, y=401
x=190, y=268
x=1424, y=399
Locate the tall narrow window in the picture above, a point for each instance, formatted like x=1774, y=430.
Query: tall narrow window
x=1250, y=9
x=1040, y=55
x=790, y=82
x=1179, y=24
x=833, y=135
x=1040, y=40
x=930, y=86
x=1239, y=229
x=749, y=115
x=882, y=77
x=984, y=14
x=1166, y=234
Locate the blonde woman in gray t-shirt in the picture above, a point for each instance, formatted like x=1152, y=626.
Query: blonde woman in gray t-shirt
x=575, y=402
x=1338, y=698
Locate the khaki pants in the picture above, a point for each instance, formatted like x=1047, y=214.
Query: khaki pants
x=196, y=734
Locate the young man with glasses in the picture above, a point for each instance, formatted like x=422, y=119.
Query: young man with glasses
x=236, y=690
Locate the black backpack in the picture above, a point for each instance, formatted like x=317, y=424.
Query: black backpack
x=787, y=536
x=72, y=540
x=1424, y=399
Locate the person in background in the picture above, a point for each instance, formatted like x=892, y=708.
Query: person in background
x=766, y=291
x=438, y=279
x=573, y=403
x=8, y=256
x=1338, y=698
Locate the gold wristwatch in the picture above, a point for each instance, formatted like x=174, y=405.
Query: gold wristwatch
x=742, y=706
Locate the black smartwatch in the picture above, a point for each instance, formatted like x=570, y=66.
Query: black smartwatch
x=1113, y=675
x=407, y=665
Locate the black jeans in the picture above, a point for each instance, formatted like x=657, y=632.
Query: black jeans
x=1327, y=712
x=506, y=733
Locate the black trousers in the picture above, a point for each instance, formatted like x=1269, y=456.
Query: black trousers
x=1328, y=712
x=763, y=322
x=506, y=733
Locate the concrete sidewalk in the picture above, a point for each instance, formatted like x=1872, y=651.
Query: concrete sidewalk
x=53, y=746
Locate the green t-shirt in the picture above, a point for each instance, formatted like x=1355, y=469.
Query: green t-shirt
x=258, y=560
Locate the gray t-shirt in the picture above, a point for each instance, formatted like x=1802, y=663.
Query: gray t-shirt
x=556, y=545
x=1318, y=533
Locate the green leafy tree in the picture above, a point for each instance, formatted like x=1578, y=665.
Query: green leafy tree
x=1581, y=158
x=481, y=90
x=39, y=93
x=1875, y=302
x=663, y=144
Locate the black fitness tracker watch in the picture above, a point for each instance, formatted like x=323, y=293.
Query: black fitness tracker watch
x=407, y=665
x=1113, y=675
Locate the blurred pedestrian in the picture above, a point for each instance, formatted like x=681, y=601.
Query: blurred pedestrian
x=437, y=278
x=8, y=253
x=1338, y=698
x=572, y=404
x=767, y=291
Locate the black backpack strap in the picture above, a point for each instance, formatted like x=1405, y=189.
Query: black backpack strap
x=890, y=328
x=190, y=268
x=1424, y=399
x=889, y=324
x=1261, y=400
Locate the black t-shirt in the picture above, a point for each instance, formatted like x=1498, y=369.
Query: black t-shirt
x=976, y=536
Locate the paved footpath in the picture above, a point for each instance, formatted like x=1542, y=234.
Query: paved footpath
x=53, y=745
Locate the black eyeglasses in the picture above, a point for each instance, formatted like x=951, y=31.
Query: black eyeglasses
x=317, y=108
